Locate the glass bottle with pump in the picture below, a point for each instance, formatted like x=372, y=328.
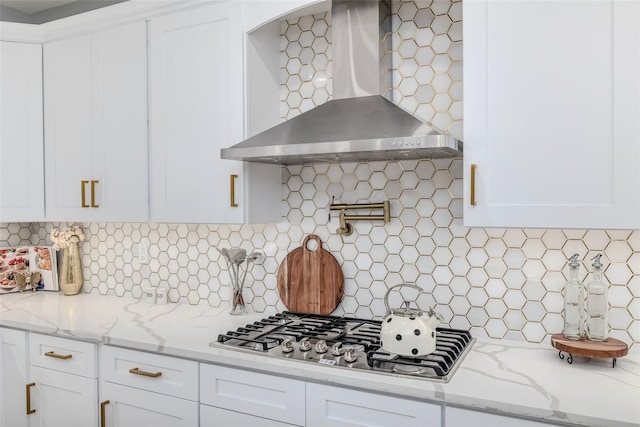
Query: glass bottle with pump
x=597, y=304
x=574, y=303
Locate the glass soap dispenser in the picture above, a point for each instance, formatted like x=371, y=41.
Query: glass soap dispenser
x=597, y=304
x=574, y=303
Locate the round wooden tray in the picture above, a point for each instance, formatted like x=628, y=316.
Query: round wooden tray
x=611, y=348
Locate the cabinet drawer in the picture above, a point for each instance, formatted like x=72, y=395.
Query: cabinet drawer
x=148, y=371
x=266, y=396
x=64, y=355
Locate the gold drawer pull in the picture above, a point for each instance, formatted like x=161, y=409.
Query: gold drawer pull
x=58, y=356
x=103, y=421
x=232, y=190
x=144, y=373
x=29, y=410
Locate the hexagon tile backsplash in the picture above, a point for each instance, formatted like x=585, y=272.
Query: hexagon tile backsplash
x=501, y=283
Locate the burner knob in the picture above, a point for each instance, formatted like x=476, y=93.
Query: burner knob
x=350, y=355
x=287, y=346
x=305, y=345
x=337, y=350
x=321, y=346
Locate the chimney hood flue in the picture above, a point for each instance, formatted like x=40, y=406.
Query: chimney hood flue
x=359, y=123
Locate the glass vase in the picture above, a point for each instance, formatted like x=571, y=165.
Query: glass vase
x=70, y=270
x=236, y=300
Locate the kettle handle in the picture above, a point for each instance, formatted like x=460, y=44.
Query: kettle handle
x=386, y=296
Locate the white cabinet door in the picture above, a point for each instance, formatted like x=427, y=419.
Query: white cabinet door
x=95, y=126
x=334, y=406
x=552, y=117
x=13, y=378
x=61, y=399
x=457, y=417
x=211, y=416
x=21, y=149
x=196, y=83
x=130, y=407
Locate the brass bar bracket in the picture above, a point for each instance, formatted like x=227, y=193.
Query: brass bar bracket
x=83, y=193
x=58, y=356
x=93, y=193
x=472, y=193
x=346, y=229
x=30, y=410
x=232, y=190
x=137, y=371
x=103, y=421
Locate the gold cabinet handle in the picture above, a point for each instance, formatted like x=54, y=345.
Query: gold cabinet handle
x=83, y=193
x=103, y=421
x=29, y=410
x=58, y=356
x=137, y=371
x=93, y=193
x=232, y=190
x=472, y=198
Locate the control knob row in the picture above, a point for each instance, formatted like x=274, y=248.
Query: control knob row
x=349, y=354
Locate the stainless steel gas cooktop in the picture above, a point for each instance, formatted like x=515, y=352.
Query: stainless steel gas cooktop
x=345, y=342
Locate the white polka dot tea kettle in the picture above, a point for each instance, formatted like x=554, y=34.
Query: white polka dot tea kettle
x=408, y=331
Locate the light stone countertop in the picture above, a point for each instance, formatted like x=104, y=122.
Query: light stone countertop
x=514, y=378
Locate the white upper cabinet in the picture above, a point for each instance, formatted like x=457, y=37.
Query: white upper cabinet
x=95, y=101
x=552, y=114
x=196, y=83
x=21, y=149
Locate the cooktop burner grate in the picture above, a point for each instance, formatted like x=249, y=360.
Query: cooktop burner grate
x=345, y=342
x=450, y=344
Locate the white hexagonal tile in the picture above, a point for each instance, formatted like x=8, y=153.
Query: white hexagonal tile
x=553, y=302
x=574, y=247
x=514, y=299
x=495, y=248
x=477, y=237
x=477, y=276
x=619, y=318
x=495, y=328
x=618, y=274
x=514, y=319
x=553, y=239
x=442, y=274
x=534, y=332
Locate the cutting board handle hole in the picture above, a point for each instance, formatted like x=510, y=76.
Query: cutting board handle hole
x=311, y=245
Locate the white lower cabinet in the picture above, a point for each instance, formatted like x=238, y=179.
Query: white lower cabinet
x=60, y=399
x=458, y=417
x=52, y=381
x=147, y=389
x=13, y=377
x=63, y=384
x=249, y=396
x=337, y=406
x=123, y=406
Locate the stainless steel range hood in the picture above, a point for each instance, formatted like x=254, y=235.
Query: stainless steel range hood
x=359, y=124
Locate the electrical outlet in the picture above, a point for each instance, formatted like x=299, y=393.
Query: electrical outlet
x=143, y=252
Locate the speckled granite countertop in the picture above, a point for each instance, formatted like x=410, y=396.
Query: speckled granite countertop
x=508, y=377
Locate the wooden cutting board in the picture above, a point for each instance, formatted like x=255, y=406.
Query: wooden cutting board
x=310, y=281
